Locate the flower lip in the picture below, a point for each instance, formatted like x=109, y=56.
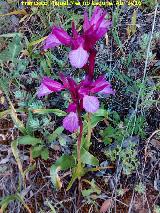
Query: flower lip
x=70, y=122
x=90, y=103
x=78, y=58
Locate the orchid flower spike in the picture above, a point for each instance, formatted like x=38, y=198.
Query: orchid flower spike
x=80, y=45
x=82, y=95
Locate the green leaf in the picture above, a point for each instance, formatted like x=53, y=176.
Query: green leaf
x=107, y=140
x=101, y=113
x=10, y=35
x=55, y=134
x=77, y=172
x=51, y=206
x=95, y=120
x=5, y=202
x=117, y=39
x=55, y=177
x=29, y=140
x=63, y=163
x=18, y=123
x=57, y=112
x=15, y=12
x=94, y=189
x=88, y=158
x=62, y=141
x=116, y=117
x=87, y=192
x=30, y=168
x=131, y=29
x=36, y=151
x=13, y=50
x=59, y=130
x=15, y=152
x=32, y=43
x=109, y=132
x=4, y=113
x=16, y=120
x=45, y=67
x=45, y=154
x=74, y=177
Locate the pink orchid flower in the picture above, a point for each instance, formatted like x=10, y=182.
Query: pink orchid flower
x=81, y=94
x=81, y=45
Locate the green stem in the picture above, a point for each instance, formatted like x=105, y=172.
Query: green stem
x=79, y=148
x=89, y=131
x=79, y=141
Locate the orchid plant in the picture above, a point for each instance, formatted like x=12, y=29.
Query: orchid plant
x=82, y=55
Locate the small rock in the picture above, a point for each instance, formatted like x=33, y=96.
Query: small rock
x=130, y=140
x=15, y=21
x=155, y=143
x=4, y=7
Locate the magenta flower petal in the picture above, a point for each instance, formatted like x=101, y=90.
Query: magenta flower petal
x=77, y=41
x=102, y=86
x=83, y=91
x=64, y=80
x=72, y=107
x=95, y=28
x=91, y=60
x=90, y=103
x=99, y=84
x=48, y=86
x=74, y=31
x=78, y=58
x=51, y=41
x=70, y=122
x=43, y=90
x=108, y=90
x=52, y=85
x=97, y=13
x=61, y=35
x=86, y=23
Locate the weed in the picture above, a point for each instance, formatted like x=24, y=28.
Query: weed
x=140, y=188
x=126, y=155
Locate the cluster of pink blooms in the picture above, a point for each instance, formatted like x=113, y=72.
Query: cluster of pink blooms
x=82, y=55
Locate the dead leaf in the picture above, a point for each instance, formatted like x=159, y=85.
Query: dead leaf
x=106, y=38
x=15, y=12
x=2, y=137
x=131, y=29
x=7, y=158
x=106, y=205
x=2, y=100
x=155, y=143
